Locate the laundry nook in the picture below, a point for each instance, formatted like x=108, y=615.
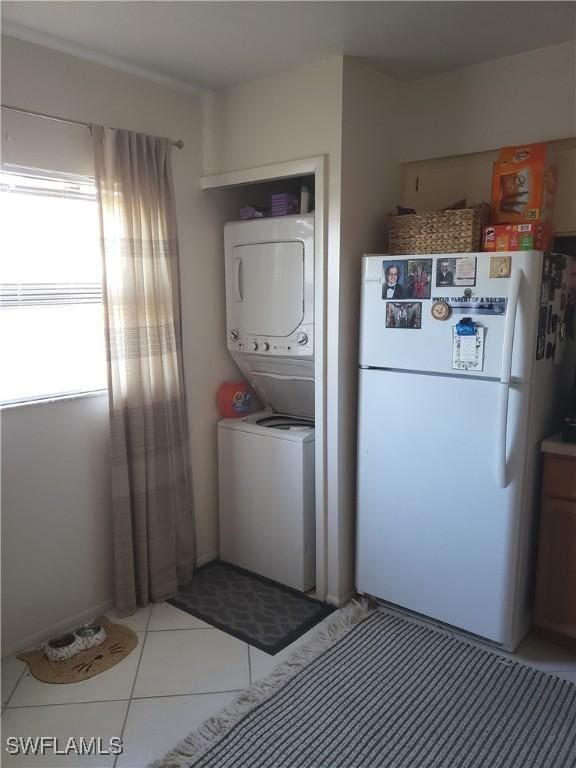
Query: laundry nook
x=266, y=459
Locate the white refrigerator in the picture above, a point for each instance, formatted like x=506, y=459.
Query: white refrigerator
x=456, y=390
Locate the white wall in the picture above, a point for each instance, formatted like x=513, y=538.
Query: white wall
x=47, y=81
x=523, y=98
x=206, y=359
x=282, y=117
x=56, y=529
x=370, y=188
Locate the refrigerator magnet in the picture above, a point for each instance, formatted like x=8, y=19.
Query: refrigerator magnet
x=394, y=279
x=465, y=272
x=404, y=314
x=419, y=279
x=500, y=266
x=468, y=349
x=466, y=327
x=441, y=310
x=455, y=271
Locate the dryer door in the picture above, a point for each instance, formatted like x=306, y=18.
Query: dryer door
x=267, y=284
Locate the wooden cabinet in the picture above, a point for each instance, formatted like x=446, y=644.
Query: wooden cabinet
x=555, y=609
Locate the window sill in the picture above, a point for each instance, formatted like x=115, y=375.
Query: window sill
x=55, y=399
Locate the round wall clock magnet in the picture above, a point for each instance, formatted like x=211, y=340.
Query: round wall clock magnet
x=440, y=310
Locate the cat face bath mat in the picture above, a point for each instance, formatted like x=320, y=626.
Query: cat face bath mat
x=119, y=642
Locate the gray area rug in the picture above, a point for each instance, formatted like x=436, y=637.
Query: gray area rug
x=378, y=691
x=259, y=611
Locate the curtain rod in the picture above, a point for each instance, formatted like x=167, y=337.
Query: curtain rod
x=179, y=144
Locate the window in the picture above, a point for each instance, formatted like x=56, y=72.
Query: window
x=51, y=317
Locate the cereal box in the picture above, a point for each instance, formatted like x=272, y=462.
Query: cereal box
x=535, y=236
x=522, y=185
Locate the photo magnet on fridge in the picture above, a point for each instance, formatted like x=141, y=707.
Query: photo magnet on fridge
x=500, y=266
x=419, y=280
x=407, y=279
x=455, y=272
x=403, y=314
x=394, y=279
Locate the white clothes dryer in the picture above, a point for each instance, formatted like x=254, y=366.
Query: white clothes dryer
x=270, y=308
x=267, y=509
x=270, y=286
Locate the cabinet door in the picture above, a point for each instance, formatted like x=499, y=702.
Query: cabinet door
x=556, y=579
x=560, y=477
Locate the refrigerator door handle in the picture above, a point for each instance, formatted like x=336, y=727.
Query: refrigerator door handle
x=505, y=375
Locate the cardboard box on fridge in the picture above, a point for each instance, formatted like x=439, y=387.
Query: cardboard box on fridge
x=535, y=236
x=523, y=184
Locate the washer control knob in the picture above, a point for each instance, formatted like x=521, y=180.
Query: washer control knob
x=302, y=338
x=254, y=346
x=234, y=335
x=266, y=346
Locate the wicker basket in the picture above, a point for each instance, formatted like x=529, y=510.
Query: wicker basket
x=439, y=231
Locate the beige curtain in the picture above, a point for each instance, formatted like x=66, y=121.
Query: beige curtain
x=151, y=488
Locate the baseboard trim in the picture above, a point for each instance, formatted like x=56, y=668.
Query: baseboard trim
x=339, y=601
x=58, y=628
x=207, y=558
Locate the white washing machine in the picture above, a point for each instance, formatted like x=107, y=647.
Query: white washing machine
x=267, y=509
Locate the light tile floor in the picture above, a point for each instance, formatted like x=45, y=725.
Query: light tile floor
x=182, y=672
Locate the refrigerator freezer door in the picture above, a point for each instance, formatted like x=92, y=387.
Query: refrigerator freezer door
x=429, y=348
x=436, y=534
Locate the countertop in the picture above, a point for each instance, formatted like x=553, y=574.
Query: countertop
x=555, y=444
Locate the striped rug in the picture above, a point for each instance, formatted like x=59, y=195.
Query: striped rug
x=390, y=693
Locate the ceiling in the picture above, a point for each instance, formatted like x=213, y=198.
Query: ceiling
x=211, y=45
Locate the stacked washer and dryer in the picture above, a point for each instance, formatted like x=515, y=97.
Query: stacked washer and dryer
x=266, y=459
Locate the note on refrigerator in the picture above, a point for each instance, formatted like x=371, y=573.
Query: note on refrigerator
x=468, y=351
